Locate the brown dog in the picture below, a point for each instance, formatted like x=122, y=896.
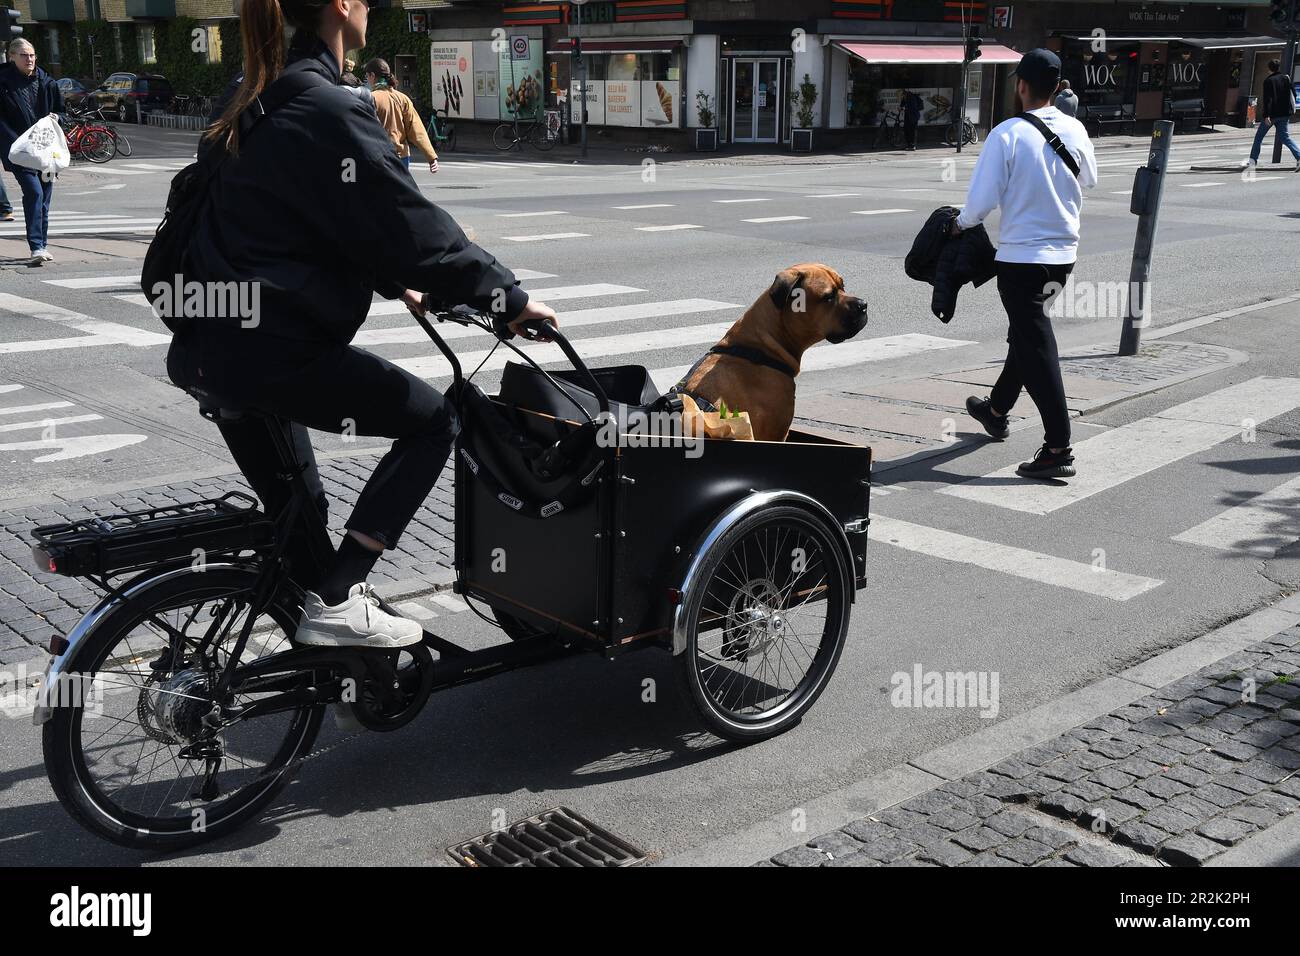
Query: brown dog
x=754, y=366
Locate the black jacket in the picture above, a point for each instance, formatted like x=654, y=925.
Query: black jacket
x=15, y=117
x=319, y=211
x=1277, y=101
x=948, y=262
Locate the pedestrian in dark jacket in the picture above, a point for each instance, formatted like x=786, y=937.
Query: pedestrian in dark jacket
x=911, y=116
x=948, y=262
x=270, y=227
x=1066, y=99
x=1276, y=106
x=28, y=94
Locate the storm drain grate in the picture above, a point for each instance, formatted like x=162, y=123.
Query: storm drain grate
x=555, y=837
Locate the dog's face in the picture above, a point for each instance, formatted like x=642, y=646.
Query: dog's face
x=813, y=305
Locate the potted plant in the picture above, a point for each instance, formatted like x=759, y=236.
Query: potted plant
x=706, y=134
x=803, y=98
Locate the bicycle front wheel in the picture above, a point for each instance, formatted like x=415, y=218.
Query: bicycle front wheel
x=539, y=138
x=504, y=138
x=121, y=143
x=98, y=146
x=129, y=755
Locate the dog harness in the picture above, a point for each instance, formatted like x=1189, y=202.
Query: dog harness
x=757, y=356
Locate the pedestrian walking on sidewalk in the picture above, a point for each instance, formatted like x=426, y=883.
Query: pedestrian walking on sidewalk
x=911, y=116
x=27, y=94
x=1277, y=106
x=1066, y=99
x=1035, y=167
x=398, y=114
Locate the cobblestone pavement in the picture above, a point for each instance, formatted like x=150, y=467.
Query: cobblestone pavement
x=1152, y=364
x=1173, y=779
x=33, y=605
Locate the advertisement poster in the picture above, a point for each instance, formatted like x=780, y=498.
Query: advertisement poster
x=659, y=106
x=936, y=104
x=521, y=81
x=595, y=103
x=622, y=103
x=451, y=66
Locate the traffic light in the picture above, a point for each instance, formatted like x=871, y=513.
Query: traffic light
x=1280, y=11
x=973, y=46
x=9, y=28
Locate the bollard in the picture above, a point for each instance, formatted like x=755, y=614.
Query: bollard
x=1148, y=186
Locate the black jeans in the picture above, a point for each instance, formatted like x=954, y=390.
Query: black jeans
x=909, y=130
x=333, y=388
x=1032, y=361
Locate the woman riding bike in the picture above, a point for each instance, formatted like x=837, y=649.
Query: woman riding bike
x=319, y=158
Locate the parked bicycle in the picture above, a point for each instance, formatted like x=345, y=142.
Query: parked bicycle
x=969, y=135
x=442, y=130
x=89, y=140
x=122, y=145
x=889, y=132
x=534, y=132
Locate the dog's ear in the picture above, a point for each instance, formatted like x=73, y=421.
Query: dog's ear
x=783, y=286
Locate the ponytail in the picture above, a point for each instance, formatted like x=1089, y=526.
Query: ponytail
x=262, y=29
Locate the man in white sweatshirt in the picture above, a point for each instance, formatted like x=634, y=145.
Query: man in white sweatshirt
x=1030, y=178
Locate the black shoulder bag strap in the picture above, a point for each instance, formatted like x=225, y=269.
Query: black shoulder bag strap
x=1053, y=141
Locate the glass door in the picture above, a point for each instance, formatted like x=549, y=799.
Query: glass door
x=755, y=101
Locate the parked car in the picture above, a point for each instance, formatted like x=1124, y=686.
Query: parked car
x=73, y=91
x=119, y=93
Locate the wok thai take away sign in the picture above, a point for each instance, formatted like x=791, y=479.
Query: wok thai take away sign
x=451, y=67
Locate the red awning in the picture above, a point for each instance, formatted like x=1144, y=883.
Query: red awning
x=564, y=46
x=926, y=52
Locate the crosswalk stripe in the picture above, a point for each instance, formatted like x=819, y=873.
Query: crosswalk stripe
x=528, y=215
x=649, y=205
x=775, y=219
x=674, y=228
x=96, y=332
x=97, y=230
x=1258, y=527
x=755, y=199
x=524, y=274
x=1030, y=565
x=428, y=366
x=545, y=236
x=568, y=320
x=449, y=601
x=823, y=357
x=114, y=171
x=48, y=422
x=553, y=294
x=832, y=195
x=1200, y=185
x=1132, y=450
x=124, y=281
x=27, y=409
x=416, y=611
x=877, y=212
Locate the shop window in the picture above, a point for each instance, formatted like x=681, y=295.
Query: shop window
x=92, y=10
x=146, y=45
x=872, y=91
x=1104, y=79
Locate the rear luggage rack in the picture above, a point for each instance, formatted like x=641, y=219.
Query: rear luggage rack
x=554, y=838
x=105, y=545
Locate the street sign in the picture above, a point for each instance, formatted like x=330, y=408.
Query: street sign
x=519, y=48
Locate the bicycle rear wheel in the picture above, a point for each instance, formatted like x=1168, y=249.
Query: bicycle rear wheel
x=131, y=760
x=539, y=138
x=120, y=141
x=504, y=138
x=98, y=146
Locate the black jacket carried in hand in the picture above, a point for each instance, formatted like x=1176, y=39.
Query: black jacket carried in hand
x=949, y=262
x=1278, y=101
x=317, y=209
x=17, y=114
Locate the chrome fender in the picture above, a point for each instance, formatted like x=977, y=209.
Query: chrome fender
x=726, y=521
x=57, y=666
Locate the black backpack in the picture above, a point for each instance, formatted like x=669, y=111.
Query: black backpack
x=165, y=262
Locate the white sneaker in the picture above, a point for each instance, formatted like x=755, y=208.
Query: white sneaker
x=42, y=255
x=1247, y=163
x=357, y=622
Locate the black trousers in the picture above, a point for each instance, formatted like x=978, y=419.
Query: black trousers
x=1033, y=364
x=909, y=130
x=333, y=388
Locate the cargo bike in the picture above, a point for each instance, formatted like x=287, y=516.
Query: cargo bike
x=178, y=706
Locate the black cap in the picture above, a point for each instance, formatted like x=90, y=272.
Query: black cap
x=1039, y=66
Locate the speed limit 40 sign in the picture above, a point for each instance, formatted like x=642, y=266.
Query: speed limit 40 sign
x=519, y=48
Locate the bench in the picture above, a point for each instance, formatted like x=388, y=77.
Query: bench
x=1105, y=116
x=1190, y=114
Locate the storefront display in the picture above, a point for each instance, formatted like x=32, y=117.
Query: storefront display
x=451, y=66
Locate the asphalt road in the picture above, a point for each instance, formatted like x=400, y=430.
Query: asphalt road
x=578, y=732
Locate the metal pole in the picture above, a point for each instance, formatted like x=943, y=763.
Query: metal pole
x=1148, y=186
x=1288, y=68
x=961, y=102
x=582, y=84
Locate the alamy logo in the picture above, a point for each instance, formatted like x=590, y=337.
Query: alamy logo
x=923, y=688
x=77, y=909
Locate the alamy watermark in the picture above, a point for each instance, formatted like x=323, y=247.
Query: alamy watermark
x=922, y=688
x=179, y=299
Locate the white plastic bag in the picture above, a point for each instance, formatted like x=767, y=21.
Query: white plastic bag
x=43, y=147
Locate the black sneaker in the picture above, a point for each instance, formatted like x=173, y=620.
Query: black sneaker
x=996, y=425
x=1048, y=464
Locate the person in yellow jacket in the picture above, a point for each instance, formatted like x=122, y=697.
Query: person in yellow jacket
x=398, y=114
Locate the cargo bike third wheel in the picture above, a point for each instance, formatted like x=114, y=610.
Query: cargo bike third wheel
x=764, y=616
